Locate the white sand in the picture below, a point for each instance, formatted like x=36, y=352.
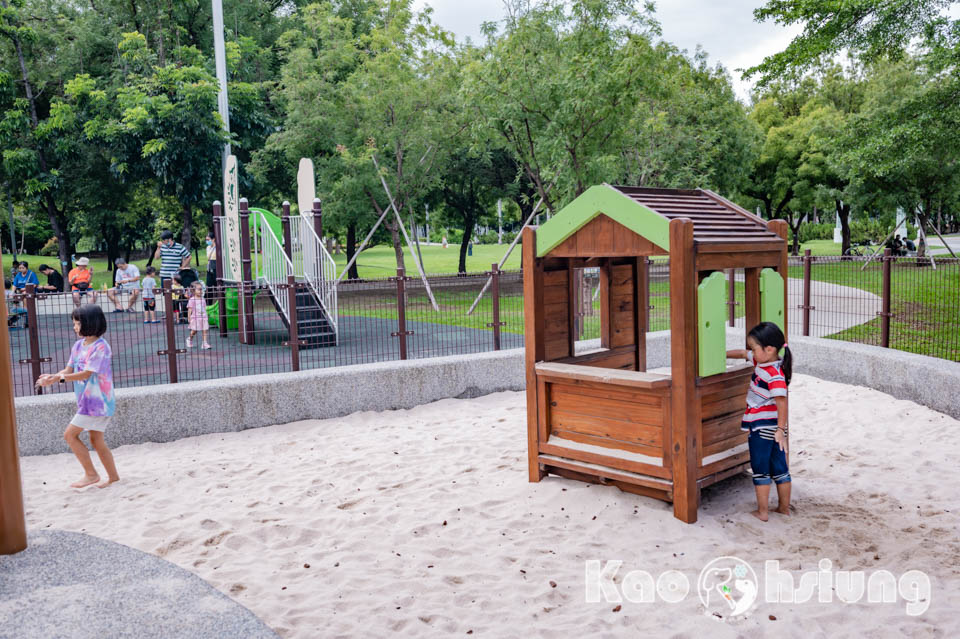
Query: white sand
x=423, y=522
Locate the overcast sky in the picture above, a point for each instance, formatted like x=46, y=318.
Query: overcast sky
x=726, y=29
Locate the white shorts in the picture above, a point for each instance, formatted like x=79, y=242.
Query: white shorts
x=90, y=422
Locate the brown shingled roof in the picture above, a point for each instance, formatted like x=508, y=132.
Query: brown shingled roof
x=715, y=219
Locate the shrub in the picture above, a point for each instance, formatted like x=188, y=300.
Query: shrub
x=51, y=248
x=810, y=232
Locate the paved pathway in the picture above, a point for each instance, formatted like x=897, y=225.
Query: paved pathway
x=68, y=584
x=836, y=307
x=953, y=241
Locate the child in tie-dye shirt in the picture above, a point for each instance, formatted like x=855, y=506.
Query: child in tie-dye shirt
x=89, y=370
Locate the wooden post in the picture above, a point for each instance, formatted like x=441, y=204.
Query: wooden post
x=533, y=344
x=641, y=307
x=646, y=291
x=401, y=331
x=13, y=524
x=246, y=285
x=495, y=296
x=807, y=261
x=571, y=308
x=780, y=227
x=33, y=333
x=294, y=342
x=222, y=293
x=317, y=219
x=285, y=225
x=606, y=332
x=751, y=297
x=685, y=403
x=171, y=350
x=885, y=312
x=732, y=295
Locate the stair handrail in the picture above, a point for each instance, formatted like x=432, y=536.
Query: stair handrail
x=319, y=269
x=272, y=264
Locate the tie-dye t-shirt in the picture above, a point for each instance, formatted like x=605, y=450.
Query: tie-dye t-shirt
x=95, y=394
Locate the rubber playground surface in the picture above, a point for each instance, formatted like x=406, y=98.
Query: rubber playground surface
x=136, y=362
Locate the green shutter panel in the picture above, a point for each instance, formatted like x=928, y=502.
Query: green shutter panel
x=771, y=297
x=711, y=333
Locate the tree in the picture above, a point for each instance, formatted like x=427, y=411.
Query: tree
x=471, y=185
x=559, y=85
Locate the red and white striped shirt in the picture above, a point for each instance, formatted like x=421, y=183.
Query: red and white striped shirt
x=766, y=383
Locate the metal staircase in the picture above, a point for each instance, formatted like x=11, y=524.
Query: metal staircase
x=311, y=265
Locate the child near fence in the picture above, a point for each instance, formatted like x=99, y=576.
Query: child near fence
x=149, y=286
x=197, y=315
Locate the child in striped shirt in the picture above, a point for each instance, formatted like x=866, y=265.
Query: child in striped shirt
x=766, y=414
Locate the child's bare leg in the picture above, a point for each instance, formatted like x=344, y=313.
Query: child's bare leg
x=72, y=435
x=783, y=495
x=106, y=458
x=193, y=334
x=763, y=499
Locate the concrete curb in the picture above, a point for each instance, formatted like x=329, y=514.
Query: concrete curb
x=169, y=412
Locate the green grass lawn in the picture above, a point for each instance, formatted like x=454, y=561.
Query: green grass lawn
x=99, y=265
x=925, y=304
x=380, y=261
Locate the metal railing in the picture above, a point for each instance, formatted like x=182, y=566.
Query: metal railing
x=314, y=264
x=271, y=265
x=901, y=303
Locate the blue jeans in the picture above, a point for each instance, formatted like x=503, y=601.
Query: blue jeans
x=767, y=461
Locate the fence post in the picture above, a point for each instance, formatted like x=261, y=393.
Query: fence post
x=33, y=332
x=807, y=265
x=495, y=296
x=285, y=225
x=401, y=331
x=885, y=313
x=222, y=293
x=732, y=296
x=317, y=219
x=246, y=284
x=294, y=342
x=171, y=350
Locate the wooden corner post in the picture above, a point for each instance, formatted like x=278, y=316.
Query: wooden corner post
x=683, y=364
x=13, y=527
x=780, y=228
x=533, y=343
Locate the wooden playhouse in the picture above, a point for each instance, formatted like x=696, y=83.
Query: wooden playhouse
x=600, y=416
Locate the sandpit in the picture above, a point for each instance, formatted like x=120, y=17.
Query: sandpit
x=422, y=522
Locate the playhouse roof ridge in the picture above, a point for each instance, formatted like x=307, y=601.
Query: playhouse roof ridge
x=647, y=211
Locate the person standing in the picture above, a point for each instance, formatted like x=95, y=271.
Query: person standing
x=211, y=261
x=173, y=256
x=80, y=279
x=127, y=278
x=54, y=279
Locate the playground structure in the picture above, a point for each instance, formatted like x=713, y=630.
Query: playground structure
x=278, y=252
x=599, y=416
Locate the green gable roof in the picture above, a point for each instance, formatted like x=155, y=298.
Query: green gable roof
x=604, y=199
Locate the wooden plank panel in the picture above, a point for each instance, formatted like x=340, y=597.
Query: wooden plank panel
x=555, y=278
x=606, y=442
x=722, y=427
x=723, y=464
x=643, y=381
x=617, y=410
x=605, y=298
x=723, y=445
x=588, y=390
x=604, y=460
x=633, y=483
x=603, y=427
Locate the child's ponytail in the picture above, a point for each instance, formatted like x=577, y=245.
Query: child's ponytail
x=787, y=365
x=769, y=334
